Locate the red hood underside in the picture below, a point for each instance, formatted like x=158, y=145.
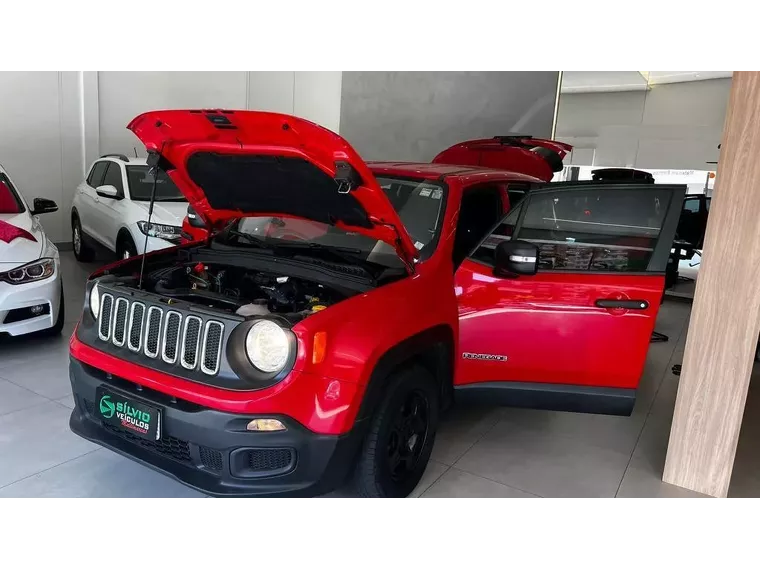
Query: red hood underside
x=231, y=164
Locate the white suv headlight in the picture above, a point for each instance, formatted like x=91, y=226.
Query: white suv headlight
x=35, y=271
x=166, y=232
x=267, y=346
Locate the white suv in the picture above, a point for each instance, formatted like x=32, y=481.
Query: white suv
x=110, y=208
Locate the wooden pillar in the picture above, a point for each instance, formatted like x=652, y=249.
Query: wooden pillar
x=725, y=318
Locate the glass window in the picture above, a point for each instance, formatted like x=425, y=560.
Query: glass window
x=707, y=203
x=485, y=252
x=140, y=180
x=9, y=200
x=600, y=229
x=113, y=177
x=418, y=203
x=516, y=196
x=691, y=204
x=96, y=174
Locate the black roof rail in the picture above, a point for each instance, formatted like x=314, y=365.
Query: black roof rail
x=119, y=156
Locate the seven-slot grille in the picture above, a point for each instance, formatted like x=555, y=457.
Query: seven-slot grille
x=161, y=333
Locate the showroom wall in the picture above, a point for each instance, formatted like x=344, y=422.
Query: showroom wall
x=414, y=115
x=39, y=137
x=123, y=95
x=676, y=125
x=54, y=124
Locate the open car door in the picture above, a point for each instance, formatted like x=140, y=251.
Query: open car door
x=575, y=335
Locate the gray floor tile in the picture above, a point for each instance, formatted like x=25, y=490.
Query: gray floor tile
x=99, y=474
x=545, y=464
x=67, y=401
x=608, y=432
x=433, y=472
x=14, y=398
x=45, y=374
x=460, y=428
x=36, y=439
x=456, y=483
x=642, y=481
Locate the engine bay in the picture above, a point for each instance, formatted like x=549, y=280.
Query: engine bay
x=242, y=291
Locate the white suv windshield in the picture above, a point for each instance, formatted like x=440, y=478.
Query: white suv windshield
x=141, y=185
x=418, y=203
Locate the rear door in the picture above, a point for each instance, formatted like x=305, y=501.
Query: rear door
x=88, y=215
x=585, y=319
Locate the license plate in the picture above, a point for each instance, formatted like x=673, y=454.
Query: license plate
x=139, y=419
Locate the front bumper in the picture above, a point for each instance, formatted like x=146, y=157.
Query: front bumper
x=210, y=450
x=47, y=292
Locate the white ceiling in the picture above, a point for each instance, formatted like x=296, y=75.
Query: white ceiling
x=607, y=81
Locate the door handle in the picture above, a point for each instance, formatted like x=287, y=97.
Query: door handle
x=622, y=303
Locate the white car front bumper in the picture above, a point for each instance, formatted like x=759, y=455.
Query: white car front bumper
x=45, y=292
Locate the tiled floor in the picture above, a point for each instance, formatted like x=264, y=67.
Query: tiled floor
x=479, y=452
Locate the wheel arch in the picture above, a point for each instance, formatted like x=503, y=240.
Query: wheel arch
x=432, y=349
x=122, y=234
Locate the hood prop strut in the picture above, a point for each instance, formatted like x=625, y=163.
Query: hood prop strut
x=153, y=160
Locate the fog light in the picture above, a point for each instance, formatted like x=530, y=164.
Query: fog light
x=37, y=309
x=265, y=425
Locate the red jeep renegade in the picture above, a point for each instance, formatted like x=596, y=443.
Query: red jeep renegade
x=336, y=307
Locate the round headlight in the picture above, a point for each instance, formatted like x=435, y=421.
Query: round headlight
x=267, y=346
x=95, y=301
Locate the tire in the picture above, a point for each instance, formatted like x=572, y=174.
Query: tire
x=397, y=447
x=125, y=247
x=82, y=251
x=55, y=329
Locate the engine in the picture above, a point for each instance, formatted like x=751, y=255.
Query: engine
x=242, y=291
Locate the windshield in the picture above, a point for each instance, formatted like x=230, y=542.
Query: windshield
x=140, y=180
x=9, y=200
x=419, y=204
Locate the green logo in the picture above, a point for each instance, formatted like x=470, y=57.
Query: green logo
x=107, y=408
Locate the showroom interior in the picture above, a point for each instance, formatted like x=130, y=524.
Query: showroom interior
x=694, y=426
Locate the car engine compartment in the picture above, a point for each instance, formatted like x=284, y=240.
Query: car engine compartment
x=242, y=291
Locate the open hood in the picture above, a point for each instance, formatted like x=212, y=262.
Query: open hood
x=535, y=157
x=231, y=164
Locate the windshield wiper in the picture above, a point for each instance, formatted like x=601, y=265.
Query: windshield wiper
x=344, y=254
x=258, y=241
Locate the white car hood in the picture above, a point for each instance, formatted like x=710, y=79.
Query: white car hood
x=167, y=213
x=21, y=251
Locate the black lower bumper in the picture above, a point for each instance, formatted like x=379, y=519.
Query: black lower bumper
x=210, y=450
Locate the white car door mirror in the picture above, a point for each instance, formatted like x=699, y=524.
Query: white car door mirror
x=108, y=191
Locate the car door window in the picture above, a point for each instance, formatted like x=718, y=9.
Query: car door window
x=484, y=253
x=691, y=205
x=480, y=209
x=610, y=229
x=113, y=177
x=95, y=178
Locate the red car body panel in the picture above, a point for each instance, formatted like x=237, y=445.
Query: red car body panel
x=177, y=135
x=556, y=333
x=516, y=154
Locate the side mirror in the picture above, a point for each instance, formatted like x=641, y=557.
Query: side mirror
x=108, y=191
x=193, y=218
x=514, y=258
x=43, y=205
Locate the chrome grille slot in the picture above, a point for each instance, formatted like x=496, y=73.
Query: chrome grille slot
x=104, y=322
x=153, y=331
x=189, y=341
x=136, y=316
x=170, y=339
x=212, y=347
x=120, y=322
